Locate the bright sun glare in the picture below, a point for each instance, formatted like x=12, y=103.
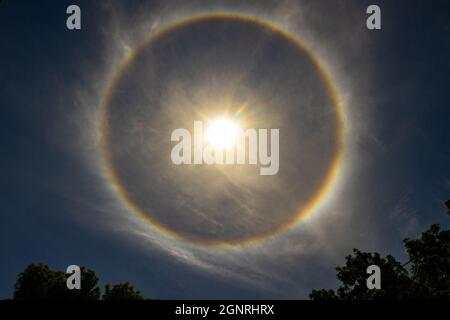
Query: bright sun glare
x=222, y=132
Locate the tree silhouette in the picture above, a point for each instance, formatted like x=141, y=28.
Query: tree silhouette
x=430, y=263
x=428, y=277
x=39, y=282
x=122, y=291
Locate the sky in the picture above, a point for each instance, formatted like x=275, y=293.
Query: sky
x=77, y=191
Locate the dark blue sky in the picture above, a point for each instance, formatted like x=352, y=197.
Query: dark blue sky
x=53, y=203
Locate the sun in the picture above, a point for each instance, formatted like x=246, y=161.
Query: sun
x=222, y=133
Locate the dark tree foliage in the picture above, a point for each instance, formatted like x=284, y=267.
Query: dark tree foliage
x=122, y=291
x=430, y=263
x=39, y=282
x=428, y=276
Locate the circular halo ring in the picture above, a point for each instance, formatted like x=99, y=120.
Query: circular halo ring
x=304, y=212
